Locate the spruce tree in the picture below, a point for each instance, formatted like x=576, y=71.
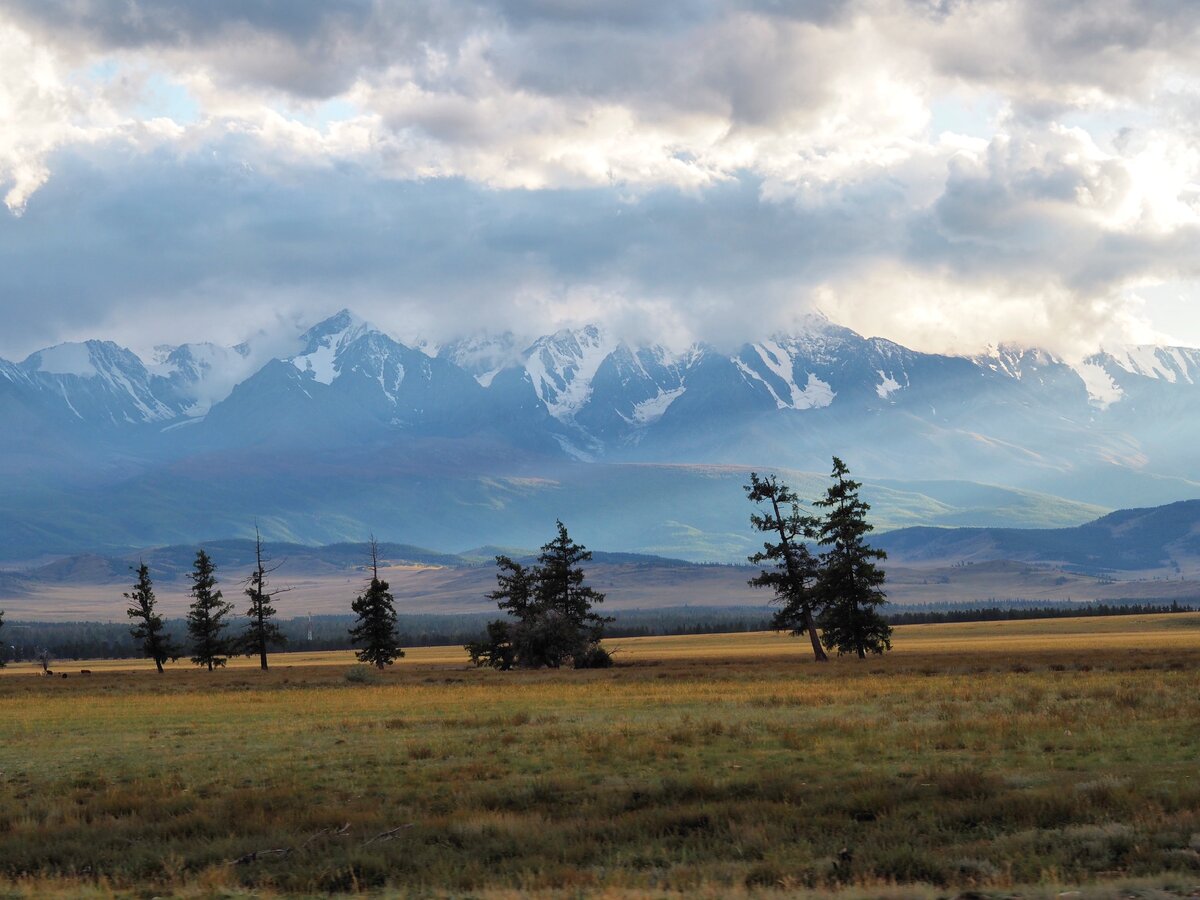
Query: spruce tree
x=375, y=629
x=552, y=620
x=795, y=570
x=262, y=633
x=206, y=614
x=156, y=644
x=565, y=604
x=514, y=594
x=850, y=584
x=560, y=584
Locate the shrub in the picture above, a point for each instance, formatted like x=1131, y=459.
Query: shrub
x=361, y=674
x=594, y=657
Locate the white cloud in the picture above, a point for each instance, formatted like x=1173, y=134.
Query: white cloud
x=1078, y=190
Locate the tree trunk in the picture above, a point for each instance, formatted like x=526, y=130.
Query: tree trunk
x=158, y=663
x=811, y=627
x=262, y=657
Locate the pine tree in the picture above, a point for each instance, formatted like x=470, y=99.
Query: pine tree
x=795, y=572
x=551, y=609
x=205, y=616
x=156, y=644
x=850, y=584
x=375, y=629
x=262, y=633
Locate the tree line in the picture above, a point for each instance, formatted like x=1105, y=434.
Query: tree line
x=831, y=595
x=826, y=578
x=208, y=642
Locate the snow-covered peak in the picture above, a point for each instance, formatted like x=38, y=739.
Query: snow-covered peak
x=562, y=366
x=64, y=359
x=99, y=381
x=325, y=341
x=1015, y=361
x=338, y=330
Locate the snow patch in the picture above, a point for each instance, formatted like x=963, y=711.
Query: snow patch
x=650, y=411
x=887, y=385
x=321, y=364
x=1102, y=390
x=815, y=394
x=485, y=379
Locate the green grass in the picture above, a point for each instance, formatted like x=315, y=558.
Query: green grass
x=943, y=768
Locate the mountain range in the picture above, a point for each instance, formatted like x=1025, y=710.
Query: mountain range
x=488, y=439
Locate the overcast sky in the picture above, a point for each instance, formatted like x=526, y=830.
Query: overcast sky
x=945, y=173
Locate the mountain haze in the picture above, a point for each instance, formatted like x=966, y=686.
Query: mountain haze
x=488, y=439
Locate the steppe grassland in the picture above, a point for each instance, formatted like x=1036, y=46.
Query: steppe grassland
x=976, y=755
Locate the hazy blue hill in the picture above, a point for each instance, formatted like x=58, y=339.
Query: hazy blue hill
x=1130, y=539
x=437, y=497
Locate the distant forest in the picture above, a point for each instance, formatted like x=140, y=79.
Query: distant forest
x=112, y=640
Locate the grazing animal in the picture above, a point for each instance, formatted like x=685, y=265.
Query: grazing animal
x=64, y=675
x=85, y=671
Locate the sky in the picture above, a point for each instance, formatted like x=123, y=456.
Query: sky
x=949, y=174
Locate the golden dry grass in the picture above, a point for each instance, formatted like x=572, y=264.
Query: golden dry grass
x=1007, y=758
x=1095, y=634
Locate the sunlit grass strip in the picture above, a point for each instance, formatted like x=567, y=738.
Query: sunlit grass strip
x=1099, y=633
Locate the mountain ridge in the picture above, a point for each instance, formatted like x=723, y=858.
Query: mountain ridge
x=311, y=438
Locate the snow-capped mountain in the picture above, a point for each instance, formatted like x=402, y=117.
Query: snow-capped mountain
x=348, y=427
x=94, y=382
x=1099, y=430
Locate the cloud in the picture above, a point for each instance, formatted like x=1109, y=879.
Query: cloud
x=711, y=167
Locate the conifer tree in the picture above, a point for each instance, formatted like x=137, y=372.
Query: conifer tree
x=514, y=594
x=262, y=633
x=560, y=586
x=206, y=614
x=156, y=644
x=795, y=570
x=375, y=629
x=850, y=584
x=515, y=587
x=552, y=616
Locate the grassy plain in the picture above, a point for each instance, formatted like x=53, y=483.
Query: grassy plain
x=999, y=758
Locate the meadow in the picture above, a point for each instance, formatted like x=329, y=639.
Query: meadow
x=977, y=760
